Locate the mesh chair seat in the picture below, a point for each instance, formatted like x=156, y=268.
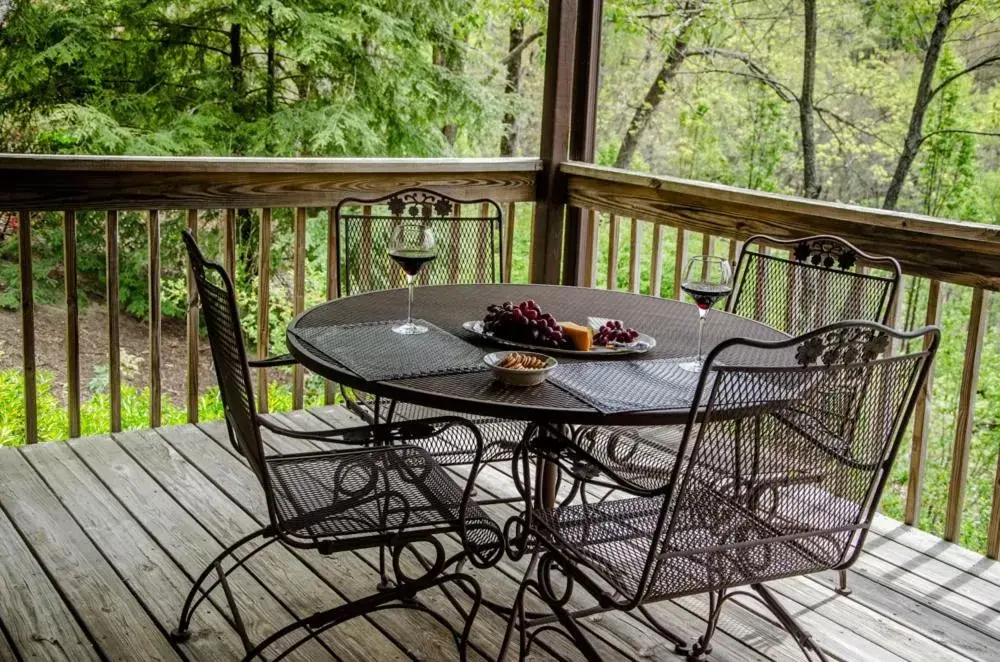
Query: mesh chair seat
x=346, y=493
x=614, y=537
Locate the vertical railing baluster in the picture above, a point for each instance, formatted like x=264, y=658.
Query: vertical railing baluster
x=299, y=299
x=114, y=323
x=733, y=253
x=332, y=279
x=191, y=315
x=454, y=241
x=613, y=240
x=634, y=259
x=484, y=235
x=365, y=279
x=72, y=323
x=966, y=409
x=155, y=388
x=921, y=416
x=508, y=241
x=656, y=261
x=591, y=249
x=229, y=243
x=679, y=256
x=27, y=327
x=263, y=305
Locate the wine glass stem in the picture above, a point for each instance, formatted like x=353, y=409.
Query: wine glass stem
x=409, y=300
x=702, y=313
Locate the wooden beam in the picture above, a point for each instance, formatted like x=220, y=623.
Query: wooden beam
x=921, y=419
x=550, y=207
x=966, y=409
x=72, y=323
x=27, y=327
x=114, y=328
x=951, y=251
x=33, y=182
x=578, y=268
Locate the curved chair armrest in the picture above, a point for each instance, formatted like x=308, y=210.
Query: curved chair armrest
x=273, y=361
x=401, y=431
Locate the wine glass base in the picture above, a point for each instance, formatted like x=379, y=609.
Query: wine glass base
x=692, y=366
x=409, y=329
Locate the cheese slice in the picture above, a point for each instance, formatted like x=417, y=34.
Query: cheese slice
x=581, y=336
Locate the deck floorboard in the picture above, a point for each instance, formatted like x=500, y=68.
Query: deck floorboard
x=101, y=537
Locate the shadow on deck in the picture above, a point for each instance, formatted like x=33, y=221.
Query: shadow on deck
x=100, y=539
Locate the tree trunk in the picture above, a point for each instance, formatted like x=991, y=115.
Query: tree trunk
x=450, y=58
x=810, y=187
x=640, y=120
x=914, y=134
x=271, y=80
x=508, y=141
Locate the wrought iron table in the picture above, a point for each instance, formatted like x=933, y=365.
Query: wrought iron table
x=672, y=323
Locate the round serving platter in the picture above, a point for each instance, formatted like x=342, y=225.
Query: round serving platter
x=641, y=345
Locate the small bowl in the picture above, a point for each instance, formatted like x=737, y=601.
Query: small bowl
x=516, y=377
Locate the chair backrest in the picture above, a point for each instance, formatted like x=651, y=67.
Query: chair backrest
x=797, y=285
x=225, y=336
x=770, y=483
x=468, y=234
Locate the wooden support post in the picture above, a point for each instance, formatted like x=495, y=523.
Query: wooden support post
x=550, y=207
x=656, y=262
x=114, y=329
x=299, y=299
x=72, y=323
x=921, y=419
x=263, y=305
x=192, y=328
x=966, y=409
x=155, y=388
x=27, y=327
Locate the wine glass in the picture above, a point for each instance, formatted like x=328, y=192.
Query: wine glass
x=411, y=245
x=707, y=279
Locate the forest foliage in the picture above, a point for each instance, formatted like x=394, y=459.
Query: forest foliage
x=886, y=103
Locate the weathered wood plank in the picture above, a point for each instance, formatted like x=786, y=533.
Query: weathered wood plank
x=146, y=568
x=680, y=262
x=191, y=316
x=155, y=384
x=220, y=183
x=190, y=544
x=614, y=243
x=34, y=615
x=510, y=226
x=964, y=253
x=656, y=261
x=72, y=323
x=966, y=410
x=634, y=259
x=27, y=285
x=229, y=242
x=921, y=418
x=114, y=321
x=116, y=621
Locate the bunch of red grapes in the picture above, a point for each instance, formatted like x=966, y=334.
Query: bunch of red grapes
x=525, y=323
x=613, y=331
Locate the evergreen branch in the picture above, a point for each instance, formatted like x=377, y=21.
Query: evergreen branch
x=173, y=42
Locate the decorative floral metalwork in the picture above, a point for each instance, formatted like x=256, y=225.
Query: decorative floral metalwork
x=420, y=203
x=842, y=346
x=826, y=253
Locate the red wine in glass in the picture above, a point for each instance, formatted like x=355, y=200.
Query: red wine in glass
x=411, y=246
x=412, y=261
x=706, y=295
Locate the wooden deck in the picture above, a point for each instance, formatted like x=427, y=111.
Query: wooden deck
x=100, y=539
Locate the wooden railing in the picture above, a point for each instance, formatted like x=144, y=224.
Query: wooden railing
x=640, y=231
x=36, y=185
x=700, y=217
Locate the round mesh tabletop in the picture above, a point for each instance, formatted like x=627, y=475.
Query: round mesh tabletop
x=674, y=325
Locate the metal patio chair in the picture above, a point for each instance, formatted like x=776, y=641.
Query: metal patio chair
x=653, y=523
x=823, y=280
x=469, y=251
x=377, y=487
